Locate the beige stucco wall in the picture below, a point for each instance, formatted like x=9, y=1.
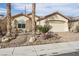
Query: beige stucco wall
x=28, y=22
x=36, y=18
x=25, y=19
x=56, y=27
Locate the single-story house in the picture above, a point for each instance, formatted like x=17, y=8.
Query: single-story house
x=57, y=21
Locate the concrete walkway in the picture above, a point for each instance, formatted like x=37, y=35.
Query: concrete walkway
x=41, y=50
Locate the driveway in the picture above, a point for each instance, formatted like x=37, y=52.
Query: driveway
x=69, y=36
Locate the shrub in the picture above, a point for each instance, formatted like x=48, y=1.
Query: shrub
x=44, y=28
x=77, y=28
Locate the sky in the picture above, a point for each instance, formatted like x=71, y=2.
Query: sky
x=43, y=9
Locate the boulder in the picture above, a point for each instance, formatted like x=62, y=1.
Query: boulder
x=32, y=39
x=6, y=39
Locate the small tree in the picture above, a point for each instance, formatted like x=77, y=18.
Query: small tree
x=44, y=28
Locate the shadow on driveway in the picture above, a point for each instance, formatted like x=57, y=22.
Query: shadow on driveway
x=69, y=54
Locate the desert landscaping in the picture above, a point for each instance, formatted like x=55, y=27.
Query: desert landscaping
x=30, y=29
x=23, y=40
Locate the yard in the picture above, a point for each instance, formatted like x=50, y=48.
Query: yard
x=22, y=40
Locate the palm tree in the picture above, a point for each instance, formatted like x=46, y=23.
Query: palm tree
x=33, y=18
x=8, y=19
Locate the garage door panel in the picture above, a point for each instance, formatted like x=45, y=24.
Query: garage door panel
x=58, y=27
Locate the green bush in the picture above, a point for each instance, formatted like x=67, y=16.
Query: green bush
x=77, y=28
x=44, y=28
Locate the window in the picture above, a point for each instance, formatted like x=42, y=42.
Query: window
x=21, y=25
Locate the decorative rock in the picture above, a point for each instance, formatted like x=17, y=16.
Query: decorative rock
x=13, y=35
x=32, y=39
x=5, y=39
x=47, y=35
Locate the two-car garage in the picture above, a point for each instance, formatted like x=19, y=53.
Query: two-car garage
x=57, y=21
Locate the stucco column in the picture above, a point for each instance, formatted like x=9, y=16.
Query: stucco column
x=26, y=26
x=16, y=26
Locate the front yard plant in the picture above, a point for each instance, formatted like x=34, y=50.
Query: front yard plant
x=44, y=28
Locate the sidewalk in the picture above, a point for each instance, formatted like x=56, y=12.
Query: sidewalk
x=41, y=50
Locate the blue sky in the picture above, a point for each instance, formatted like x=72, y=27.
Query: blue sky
x=42, y=9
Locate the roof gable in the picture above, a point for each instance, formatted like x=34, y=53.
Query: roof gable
x=53, y=15
x=31, y=14
x=18, y=15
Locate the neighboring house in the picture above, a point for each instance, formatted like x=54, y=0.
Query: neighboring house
x=3, y=23
x=73, y=23
x=1, y=17
x=57, y=21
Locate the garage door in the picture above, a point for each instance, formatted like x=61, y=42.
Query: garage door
x=59, y=27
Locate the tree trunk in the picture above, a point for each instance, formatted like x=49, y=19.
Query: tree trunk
x=33, y=18
x=8, y=19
